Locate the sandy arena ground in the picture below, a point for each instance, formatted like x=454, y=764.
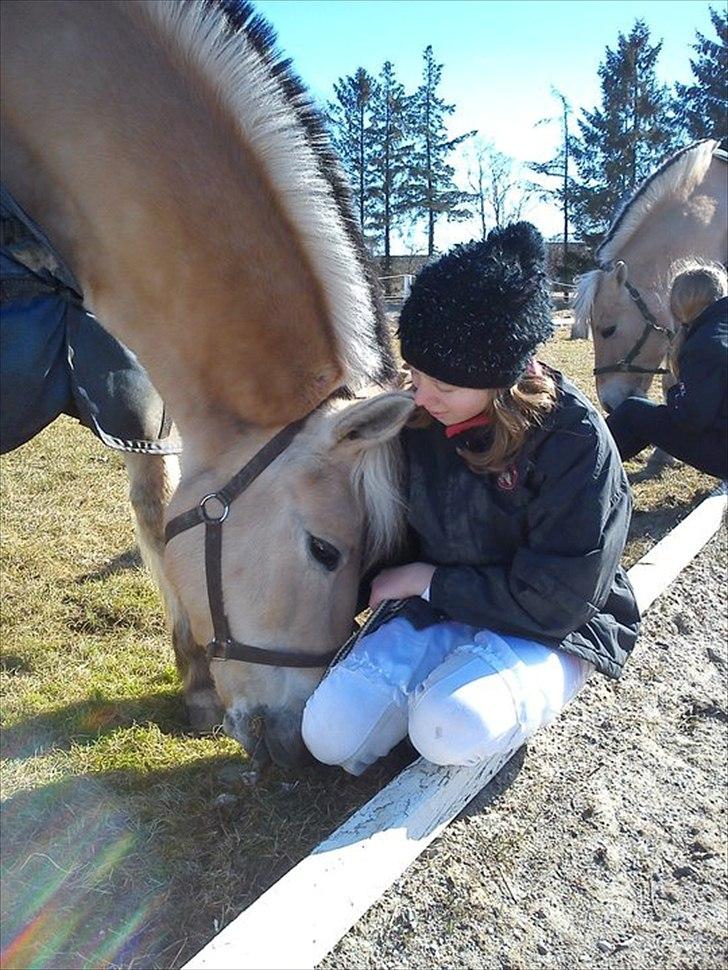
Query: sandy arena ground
x=604, y=843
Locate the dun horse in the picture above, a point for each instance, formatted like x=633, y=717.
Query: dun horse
x=181, y=171
x=681, y=211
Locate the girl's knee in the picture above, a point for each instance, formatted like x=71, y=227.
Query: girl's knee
x=351, y=721
x=320, y=728
x=447, y=730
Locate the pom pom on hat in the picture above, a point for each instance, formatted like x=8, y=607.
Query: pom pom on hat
x=475, y=316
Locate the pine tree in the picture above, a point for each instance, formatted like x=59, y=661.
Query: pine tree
x=350, y=124
x=703, y=105
x=624, y=139
x=390, y=158
x=432, y=191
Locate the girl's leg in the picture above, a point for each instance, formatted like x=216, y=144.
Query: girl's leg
x=489, y=696
x=359, y=710
x=634, y=425
x=637, y=423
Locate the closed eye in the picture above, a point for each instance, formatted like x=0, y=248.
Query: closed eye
x=608, y=332
x=323, y=552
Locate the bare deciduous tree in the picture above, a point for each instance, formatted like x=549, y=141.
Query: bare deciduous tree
x=499, y=192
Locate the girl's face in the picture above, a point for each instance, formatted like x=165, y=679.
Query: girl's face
x=445, y=402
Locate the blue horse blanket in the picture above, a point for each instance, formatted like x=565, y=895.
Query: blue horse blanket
x=55, y=357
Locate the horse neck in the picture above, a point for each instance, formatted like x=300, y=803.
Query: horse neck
x=130, y=190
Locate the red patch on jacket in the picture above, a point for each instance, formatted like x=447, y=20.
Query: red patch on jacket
x=508, y=479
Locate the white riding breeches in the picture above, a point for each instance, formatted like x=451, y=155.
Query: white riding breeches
x=461, y=693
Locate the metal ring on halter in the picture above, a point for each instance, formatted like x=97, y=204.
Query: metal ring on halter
x=210, y=517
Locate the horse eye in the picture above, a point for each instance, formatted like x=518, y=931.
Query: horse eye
x=608, y=332
x=324, y=553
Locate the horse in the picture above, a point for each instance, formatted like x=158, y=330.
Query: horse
x=180, y=168
x=679, y=212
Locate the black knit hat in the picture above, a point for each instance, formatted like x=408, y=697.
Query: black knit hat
x=475, y=317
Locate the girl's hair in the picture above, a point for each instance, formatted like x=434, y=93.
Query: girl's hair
x=515, y=411
x=693, y=289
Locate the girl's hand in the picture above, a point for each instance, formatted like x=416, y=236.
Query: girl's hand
x=401, y=582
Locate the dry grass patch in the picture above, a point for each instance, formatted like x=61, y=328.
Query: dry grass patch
x=127, y=842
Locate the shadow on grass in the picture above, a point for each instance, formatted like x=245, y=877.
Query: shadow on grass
x=87, y=720
x=130, y=559
x=653, y=525
x=15, y=663
x=140, y=869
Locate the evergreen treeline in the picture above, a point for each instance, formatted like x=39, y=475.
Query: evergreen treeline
x=399, y=156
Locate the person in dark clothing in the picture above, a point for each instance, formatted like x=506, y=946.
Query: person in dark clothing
x=518, y=507
x=693, y=424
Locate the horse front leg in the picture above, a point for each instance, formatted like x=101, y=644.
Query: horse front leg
x=152, y=480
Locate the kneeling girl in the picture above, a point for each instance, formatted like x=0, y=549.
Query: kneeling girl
x=518, y=508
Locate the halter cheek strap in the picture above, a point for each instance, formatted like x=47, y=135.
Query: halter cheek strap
x=625, y=365
x=212, y=510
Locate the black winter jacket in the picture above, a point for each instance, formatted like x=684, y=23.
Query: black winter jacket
x=700, y=401
x=534, y=552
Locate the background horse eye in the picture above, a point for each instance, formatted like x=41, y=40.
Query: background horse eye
x=324, y=553
x=608, y=331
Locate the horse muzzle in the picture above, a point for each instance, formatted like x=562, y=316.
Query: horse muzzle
x=269, y=735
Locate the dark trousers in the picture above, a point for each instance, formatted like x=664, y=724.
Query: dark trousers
x=637, y=423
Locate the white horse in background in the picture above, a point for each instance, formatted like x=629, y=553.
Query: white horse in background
x=679, y=212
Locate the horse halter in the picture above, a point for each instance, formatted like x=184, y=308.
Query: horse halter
x=213, y=509
x=625, y=365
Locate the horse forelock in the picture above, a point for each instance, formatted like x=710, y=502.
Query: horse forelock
x=586, y=293
x=377, y=477
x=677, y=176
x=233, y=50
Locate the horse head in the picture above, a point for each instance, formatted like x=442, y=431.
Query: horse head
x=183, y=174
x=679, y=212
x=629, y=342
x=294, y=545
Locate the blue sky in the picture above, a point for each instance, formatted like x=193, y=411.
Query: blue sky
x=500, y=58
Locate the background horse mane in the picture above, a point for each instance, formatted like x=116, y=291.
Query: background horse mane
x=675, y=178
x=233, y=51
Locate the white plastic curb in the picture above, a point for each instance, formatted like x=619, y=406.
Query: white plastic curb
x=305, y=914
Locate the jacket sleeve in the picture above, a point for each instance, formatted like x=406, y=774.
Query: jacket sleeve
x=696, y=402
x=563, y=573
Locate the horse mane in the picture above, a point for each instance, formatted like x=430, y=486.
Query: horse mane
x=676, y=176
x=233, y=51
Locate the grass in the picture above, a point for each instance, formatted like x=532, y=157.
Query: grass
x=127, y=842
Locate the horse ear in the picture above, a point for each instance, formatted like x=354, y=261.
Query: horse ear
x=620, y=271
x=371, y=422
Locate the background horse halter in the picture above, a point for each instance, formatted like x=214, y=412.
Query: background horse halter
x=625, y=364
